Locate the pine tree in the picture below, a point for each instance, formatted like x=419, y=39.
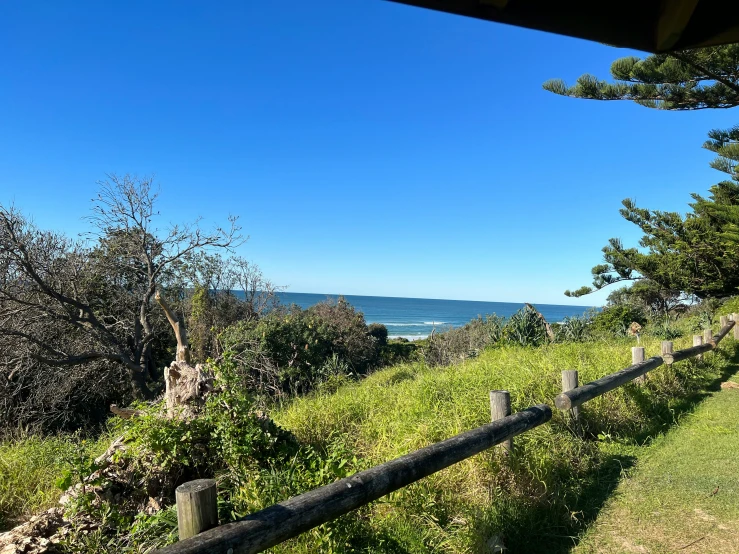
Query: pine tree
x=684, y=80
x=723, y=205
x=697, y=253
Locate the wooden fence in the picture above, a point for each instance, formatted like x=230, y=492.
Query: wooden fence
x=196, y=501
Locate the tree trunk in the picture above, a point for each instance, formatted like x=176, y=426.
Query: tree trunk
x=139, y=387
x=185, y=385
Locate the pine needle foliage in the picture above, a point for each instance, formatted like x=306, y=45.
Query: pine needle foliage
x=686, y=80
x=697, y=253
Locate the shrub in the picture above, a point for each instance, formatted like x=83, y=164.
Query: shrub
x=256, y=462
x=463, y=342
x=615, y=320
x=730, y=306
x=379, y=332
x=665, y=329
x=526, y=328
x=287, y=351
x=574, y=329
x=347, y=333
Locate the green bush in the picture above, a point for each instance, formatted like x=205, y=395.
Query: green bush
x=462, y=342
x=256, y=463
x=730, y=306
x=615, y=320
x=574, y=328
x=287, y=352
x=526, y=328
x=379, y=331
x=665, y=329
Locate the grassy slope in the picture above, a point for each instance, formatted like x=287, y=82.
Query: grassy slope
x=552, y=490
x=668, y=502
x=29, y=469
x=539, y=502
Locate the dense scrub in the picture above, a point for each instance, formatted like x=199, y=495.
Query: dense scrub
x=292, y=351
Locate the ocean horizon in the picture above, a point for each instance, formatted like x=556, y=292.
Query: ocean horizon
x=415, y=318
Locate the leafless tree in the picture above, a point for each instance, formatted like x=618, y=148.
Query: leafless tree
x=259, y=292
x=98, y=292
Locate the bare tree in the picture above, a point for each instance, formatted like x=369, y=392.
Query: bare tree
x=100, y=292
x=259, y=293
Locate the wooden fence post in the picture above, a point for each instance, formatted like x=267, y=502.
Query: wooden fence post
x=735, y=317
x=724, y=321
x=697, y=341
x=666, y=347
x=197, y=507
x=637, y=356
x=569, y=382
x=707, y=336
x=500, y=407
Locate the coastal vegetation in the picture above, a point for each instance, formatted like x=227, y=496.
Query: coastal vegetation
x=326, y=425
x=296, y=398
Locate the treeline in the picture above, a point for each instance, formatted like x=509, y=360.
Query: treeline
x=81, y=328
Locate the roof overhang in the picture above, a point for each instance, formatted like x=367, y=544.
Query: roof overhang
x=650, y=25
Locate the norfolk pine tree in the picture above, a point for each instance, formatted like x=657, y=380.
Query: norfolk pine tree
x=693, y=253
x=685, y=80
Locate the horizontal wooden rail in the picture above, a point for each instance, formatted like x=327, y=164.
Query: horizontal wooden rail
x=681, y=355
x=724, y=331
x=575, y=397
x=578, y=396
x=288, y=519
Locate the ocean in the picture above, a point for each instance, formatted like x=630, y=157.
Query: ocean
x=414, y=318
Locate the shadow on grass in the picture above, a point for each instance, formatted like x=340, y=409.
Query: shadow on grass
x=662, y=414
x=530, y=529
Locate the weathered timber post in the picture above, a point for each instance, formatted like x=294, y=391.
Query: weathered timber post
x=667, y=351
x=569, y=382
x=724, y=321
x=197, y=507
x=500, y=407
x=735, y=317
x=707, y=336
x=637, y=356
x=697, y=341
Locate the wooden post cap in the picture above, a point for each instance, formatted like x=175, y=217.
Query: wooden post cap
x=197, y=507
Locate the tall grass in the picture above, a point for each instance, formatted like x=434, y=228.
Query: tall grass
x=554, y=485
x=538, y=500
x=29, y=469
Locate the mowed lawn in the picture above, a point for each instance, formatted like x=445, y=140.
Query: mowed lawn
x=684, y=496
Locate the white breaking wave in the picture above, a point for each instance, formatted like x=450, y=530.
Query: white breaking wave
x=424, y=324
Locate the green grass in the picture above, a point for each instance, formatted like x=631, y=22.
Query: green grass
x=684, y=495
x=29, y=469
x=538, y=502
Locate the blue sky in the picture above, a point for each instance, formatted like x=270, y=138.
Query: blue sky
x=368, y=147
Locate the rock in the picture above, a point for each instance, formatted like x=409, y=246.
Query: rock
x=35, y=536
